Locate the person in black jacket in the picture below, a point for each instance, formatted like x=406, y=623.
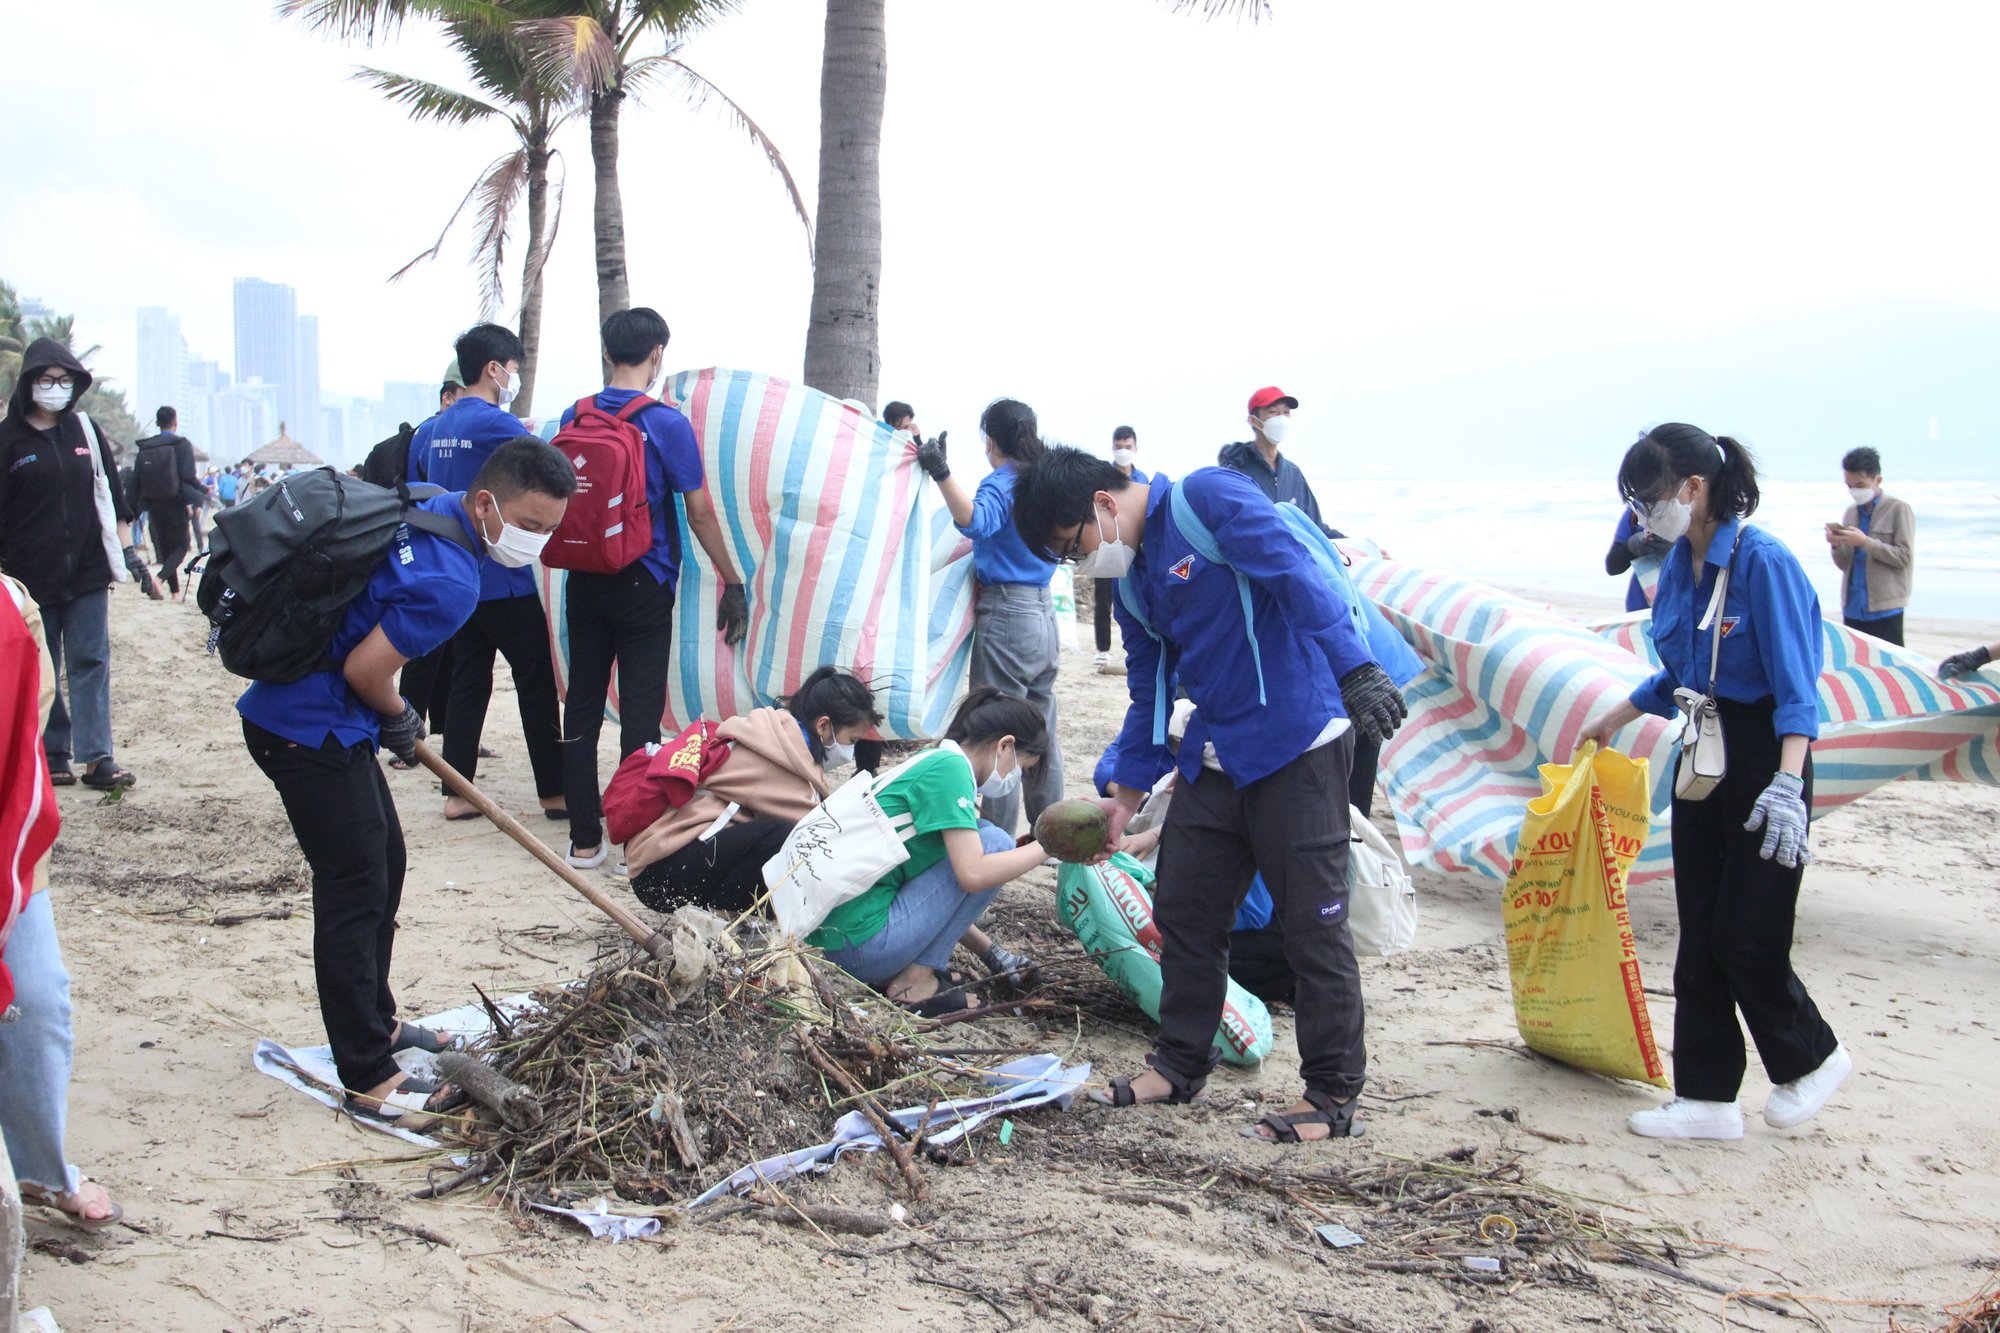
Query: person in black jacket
x=165, y=484
x=62, y=526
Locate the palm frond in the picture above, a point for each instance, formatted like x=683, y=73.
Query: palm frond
x=570, y=52
x=676, y=19
x=367, y=20
x=498, y=191
x=1209, y=9
x=425, y=100
x=499, y=62
x=699, y=92
x=449, y=222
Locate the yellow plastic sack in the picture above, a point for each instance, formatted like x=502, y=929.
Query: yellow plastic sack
x=1577, y=993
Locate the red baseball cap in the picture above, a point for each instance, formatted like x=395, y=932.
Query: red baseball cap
x=1269, y=394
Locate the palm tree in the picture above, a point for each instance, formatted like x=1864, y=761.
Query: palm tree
x=594, y=48
x=535, y=109
x=843, y=347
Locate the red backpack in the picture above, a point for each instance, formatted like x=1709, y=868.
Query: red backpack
x=609, y=523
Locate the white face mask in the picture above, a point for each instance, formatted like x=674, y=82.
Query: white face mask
x=53, y=398
x=1124, y=457
x=998, y=784
x=1669, y=519
x=1276, y=429
x=1112, y=558
x=509, y=389
x=837, y=755
x=515, y=548
x=1863, y=494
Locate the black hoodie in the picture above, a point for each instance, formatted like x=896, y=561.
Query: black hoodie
x=50, y=538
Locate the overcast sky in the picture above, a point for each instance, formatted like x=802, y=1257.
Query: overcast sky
x=1110, y=210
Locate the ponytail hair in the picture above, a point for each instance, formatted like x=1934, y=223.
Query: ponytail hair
x=985, y=714
x=1671, y=453
x=1011, y=425
x=838, y=697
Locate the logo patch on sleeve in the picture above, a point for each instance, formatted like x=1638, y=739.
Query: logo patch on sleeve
x=1185, y=568
x=1729, y=624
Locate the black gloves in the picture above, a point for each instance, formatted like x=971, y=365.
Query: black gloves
x=732, y=614
x=135, y=565
x=1374, y=704
x=1642, y=544
x=1965, y=663
x=401, y=733
x=930, y=457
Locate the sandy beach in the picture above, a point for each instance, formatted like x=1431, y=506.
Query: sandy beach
x=250, y=1208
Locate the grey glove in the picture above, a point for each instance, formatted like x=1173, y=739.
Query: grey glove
x=1965, y=663
x=930, y=457
x=732, y=614
x=135, y=565
x=1781, y=813
x=1374, y=704
x=1643, y=544
x=401, y=733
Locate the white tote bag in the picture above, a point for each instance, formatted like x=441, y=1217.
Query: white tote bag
x=839, y=851
x=1381, y=900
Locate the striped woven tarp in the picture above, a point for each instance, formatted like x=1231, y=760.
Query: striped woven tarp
x=1511, y=686
x=851, y=560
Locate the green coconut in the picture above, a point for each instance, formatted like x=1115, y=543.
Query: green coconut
x=1073, y=831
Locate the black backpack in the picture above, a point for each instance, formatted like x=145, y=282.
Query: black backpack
x=388, y=463
x=159, y=480
x=283, y=565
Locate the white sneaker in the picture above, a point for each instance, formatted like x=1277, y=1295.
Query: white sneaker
x=1103, y=660
x=1685, y=1119
x=620, y=871
x=1800, y=1100
x=590, y=862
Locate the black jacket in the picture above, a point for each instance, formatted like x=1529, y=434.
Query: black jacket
x=49, y=533
x=1283, y=483
x=192, y=491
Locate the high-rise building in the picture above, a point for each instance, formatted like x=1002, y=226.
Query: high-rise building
x=267, y=335
x=162, y=364
x=308, y=428
x=201, y=380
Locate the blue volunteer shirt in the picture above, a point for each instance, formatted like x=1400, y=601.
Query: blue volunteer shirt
x=1305, y=634
x=1855, y=605
x=1771, y=640
x=673, y=467
x=998, y=553
x=426, y=588
x=448, y=451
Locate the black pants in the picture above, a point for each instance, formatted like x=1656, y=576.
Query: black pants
x=724, y=874
x=627, y=617
x=512, y=626
x=338, y=801
x=1889, y=629
x=169, y=520
x=426, y=683
x=1361, y=777
x=1293, y=827
x=1736, y=915
x=1103, y=593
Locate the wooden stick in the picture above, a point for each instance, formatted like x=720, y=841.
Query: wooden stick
x=519, y=1108
x=1679, y=1275
x=653, y=941
x=898, y=1149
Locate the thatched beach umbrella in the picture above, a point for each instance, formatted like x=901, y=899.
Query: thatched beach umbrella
x=285, y=452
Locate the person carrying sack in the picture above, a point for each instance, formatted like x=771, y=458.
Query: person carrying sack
x=1737, y=626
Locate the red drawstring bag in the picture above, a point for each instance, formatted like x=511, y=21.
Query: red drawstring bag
x=660, y=778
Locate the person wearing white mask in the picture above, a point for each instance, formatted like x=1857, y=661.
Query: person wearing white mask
x=1124, y=457
x=627, y=616
x=1735, y=623
x=899, y=934
x=1874, y=545
x=1270, y=417
x=316, y=738
x=448, y=451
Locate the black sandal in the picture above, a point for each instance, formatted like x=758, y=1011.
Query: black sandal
x=106, y=775
x=62, y=776
x=948, y=998
x=1338, y=1118
x=1180, y=1092
x=410, y=1037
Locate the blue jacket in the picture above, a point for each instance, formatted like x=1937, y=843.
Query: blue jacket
x=1772, y=640
x=448, y=451
x=998, y=553
x=1306, y=636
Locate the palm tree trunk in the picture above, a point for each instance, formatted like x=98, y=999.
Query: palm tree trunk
x=614, y=288
x=843, y=346
x=531, y=277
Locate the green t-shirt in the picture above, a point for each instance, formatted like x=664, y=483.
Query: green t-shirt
x=937, y=792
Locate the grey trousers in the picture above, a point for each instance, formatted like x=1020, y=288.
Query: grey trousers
x=1015, y=649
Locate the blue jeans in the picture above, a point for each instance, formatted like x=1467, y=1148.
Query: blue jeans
x=930, y=913
x=35, y=1053
x=79, y=634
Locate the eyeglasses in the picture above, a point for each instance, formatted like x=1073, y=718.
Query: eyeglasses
x=1073, y=550
x=56, y=382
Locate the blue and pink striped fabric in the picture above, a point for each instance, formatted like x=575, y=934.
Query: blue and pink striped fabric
x=1511, y=686
x=850, y=558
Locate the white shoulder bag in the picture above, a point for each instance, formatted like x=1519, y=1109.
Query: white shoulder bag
x=1702, y=764
x=107, y=511
x=839, y=851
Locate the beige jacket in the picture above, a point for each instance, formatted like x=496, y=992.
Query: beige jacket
x=33, y=615
x=1892, y=551
x=770, y=773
